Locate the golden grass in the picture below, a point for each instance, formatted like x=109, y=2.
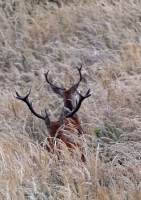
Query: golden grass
x=103, y=36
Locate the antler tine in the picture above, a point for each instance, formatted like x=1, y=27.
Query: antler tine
x=88, y=93
x=29, y=104
x=79, y=70
x=81, y=98
x=80, y=79
x=46, y=76
x=22, y=98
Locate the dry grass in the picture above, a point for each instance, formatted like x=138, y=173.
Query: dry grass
x=103, y=36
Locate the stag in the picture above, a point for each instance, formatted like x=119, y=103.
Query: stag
x=68, y=121
x=69, y=100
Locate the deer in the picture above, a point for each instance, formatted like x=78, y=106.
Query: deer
x=71, y=123
x=68, y=120
x=68, y=96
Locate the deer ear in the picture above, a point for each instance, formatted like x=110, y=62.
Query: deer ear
x=57, y=90
x=74, y=88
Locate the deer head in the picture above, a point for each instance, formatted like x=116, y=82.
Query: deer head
x=66, y=94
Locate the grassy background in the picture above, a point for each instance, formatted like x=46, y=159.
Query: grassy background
x=105, y=37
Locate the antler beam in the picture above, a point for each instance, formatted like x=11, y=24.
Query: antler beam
x=56, y=87
x=29, y=104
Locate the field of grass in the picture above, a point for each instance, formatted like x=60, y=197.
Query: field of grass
x=103, y=36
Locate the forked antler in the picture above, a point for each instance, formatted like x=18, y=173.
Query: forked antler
x=75, y=86
x=29, y=104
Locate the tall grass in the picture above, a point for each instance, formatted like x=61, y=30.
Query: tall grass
x=104, y=37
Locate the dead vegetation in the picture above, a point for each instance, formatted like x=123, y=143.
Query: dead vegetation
x=103, y=36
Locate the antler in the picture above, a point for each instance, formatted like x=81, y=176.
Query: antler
x=29, y=104
x=81, y=98
x=54, y=88
x=75, y=86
